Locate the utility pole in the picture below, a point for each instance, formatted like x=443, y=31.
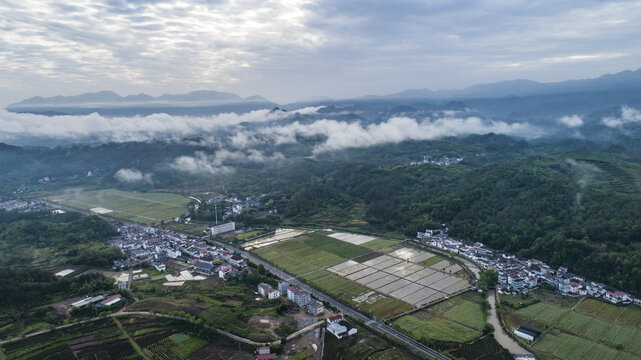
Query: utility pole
x=216, y=211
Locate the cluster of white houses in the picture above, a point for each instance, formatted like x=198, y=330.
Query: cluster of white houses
x=295, y=295
x=235, y=206
x=150, y=245
x=520, y=275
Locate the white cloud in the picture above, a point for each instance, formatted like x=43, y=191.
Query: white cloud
x=628, y=115
x=571, y=121
x=119, y=129
x=341, y=135
x=132, y=175
x=221, y=162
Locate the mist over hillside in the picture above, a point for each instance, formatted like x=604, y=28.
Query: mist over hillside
x=601, y=109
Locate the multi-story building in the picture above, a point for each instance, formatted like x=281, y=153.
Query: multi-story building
x=221, y=228
x=282, y=286
x=315, y=307
x=298, y=296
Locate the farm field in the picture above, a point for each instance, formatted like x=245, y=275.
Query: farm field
x=363, y=345
x=594, y=330
x=436, y=328
x=224, y=306
x=308, y=255
x=542, y=312
x=458, y=319
x=133, y=337
x=566, y=346
x=144, y=208
x=381, y=245
x=309, y=252
x=433, y=260
x=628, y=315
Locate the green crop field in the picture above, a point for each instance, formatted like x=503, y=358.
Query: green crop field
x=631, y=317
x=346, y=290
x=542, y=312
x=627, y=315
x=334, y=246
x=433, y=260
x=385, y=307
x=591, y=306
x=595, y=330
x=144, y=208
x=571, y=347
x=467, y=313
x=457, y=319
x=611, y=312
x=308, y=255
x=380, y=245
x=334, y=285
x=309, y=252
x=436, y=328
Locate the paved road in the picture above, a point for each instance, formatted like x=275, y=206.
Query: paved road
x=375, y=324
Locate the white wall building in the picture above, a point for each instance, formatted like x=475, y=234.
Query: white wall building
x=222, y=228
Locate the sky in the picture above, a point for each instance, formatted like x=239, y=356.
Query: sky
x=289, y=50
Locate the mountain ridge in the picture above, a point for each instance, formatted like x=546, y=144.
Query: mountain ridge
x=523, y=87
x=107, y=97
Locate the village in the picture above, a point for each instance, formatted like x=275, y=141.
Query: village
x=517, y=275
x=144, y=244
x=160, y=248
x=441, y=160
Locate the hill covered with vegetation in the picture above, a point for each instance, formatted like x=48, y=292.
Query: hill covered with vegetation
x=46, y=238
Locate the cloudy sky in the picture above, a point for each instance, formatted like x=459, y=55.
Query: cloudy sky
x=296, y=49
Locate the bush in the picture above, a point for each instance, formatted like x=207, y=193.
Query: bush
x=488, y=329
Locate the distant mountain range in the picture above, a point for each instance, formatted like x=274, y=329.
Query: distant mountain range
x=623, y=80
x=110, y=97
x=201, y=102
x=513, y=100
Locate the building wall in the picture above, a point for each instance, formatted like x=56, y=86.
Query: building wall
x=222, y=228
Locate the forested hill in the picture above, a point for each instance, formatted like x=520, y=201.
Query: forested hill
x=582, y=209
x=48, y=238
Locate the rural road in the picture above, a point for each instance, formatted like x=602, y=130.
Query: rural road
x=375, y=324
x=501, y=337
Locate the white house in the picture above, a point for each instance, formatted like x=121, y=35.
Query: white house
x=526, y=333
x=341, y=328
x=298, y=296
x=221, y=228
x=224, y=271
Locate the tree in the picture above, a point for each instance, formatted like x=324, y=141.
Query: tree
x=488, y=278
